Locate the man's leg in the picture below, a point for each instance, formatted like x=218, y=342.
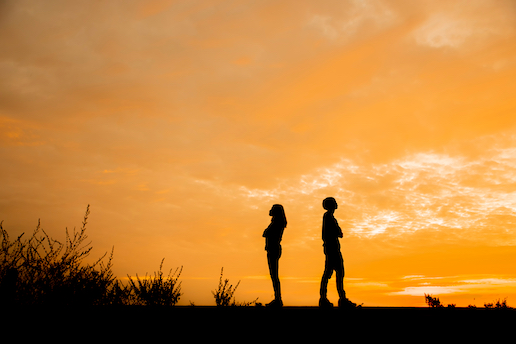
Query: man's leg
x=343, y=300
x=328, y=272
x=340, y=277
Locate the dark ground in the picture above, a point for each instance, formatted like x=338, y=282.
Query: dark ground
x=242, y=324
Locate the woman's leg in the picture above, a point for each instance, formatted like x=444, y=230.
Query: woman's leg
x=273, y=260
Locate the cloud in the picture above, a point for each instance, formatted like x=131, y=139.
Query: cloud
x=440, y=31
x=421, y=291
x=455, y=24
x=352, y=18
x=455, y=285
x=421, y=191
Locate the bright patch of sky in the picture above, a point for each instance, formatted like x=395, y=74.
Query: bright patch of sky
x=424, y=190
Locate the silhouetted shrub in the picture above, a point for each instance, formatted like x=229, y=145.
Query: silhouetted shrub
x=224, y=295
x=489, y=305
x=500, y=304
x=433, y=302
x=155, y=291
x=41, y=270
x=119, y=294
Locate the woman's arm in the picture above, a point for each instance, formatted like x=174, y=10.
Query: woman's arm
x=266, y=231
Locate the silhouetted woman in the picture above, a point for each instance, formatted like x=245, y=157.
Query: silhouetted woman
x=273, y=235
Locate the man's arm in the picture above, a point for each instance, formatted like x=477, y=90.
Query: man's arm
x=338, y=229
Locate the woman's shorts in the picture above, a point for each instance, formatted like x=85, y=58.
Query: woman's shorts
x=274, y=252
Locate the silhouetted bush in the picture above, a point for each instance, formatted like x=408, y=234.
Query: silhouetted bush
x=224, y=294
x=43, y=271
x=155, y=291
x=500, y=304
x=433, y=302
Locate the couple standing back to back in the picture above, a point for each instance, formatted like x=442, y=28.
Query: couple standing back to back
x=331, y=233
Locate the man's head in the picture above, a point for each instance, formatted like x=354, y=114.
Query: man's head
x=329, y=203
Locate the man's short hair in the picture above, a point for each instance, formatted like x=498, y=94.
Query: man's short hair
x=329, y=203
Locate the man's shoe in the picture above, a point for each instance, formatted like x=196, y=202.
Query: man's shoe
x=346, y=304
x=325, y=303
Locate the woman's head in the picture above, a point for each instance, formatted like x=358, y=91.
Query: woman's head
x=278, y=213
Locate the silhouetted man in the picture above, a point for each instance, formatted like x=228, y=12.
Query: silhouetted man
x=331, y=233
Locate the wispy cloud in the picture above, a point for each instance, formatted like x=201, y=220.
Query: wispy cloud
x=457, y=285
x=352, y=18
x=464, y=23
x=425, y=190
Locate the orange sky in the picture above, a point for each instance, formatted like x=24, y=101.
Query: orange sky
x=182, y=122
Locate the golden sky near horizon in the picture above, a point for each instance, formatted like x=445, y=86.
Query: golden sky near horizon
x=182, y=122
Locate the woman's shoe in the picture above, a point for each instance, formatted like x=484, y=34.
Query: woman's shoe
x=275, y=304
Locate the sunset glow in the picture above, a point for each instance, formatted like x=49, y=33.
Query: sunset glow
x=182, y=122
